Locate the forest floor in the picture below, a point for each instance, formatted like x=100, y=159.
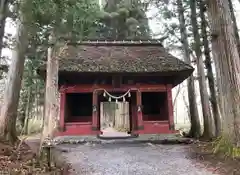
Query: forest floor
x=21, y=160
x=217, y=163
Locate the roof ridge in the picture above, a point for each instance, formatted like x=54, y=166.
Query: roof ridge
x=149, y=42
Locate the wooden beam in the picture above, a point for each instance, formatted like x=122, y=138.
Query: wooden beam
x=95, y=120
x=116, y=81
x=170, y=107
x=123, y=88
x=139, y=111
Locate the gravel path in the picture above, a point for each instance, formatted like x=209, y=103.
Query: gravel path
x=130, y=159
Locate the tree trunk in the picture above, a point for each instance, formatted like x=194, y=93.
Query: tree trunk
x=27, y=112
x=37, y=100
x=208, y=65
x=234, y=25
x=195, y=130
x=51, y=96
x=3, y=15
x=26, y=118
x=21, y=115
x=227, y=62
x=207, y=118
x=13, y=85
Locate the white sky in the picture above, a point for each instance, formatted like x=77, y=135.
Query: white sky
x=156, y=26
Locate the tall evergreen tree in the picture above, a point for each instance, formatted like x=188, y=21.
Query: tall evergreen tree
x=207, y=118
x=195, y=130
x=12, y=91
x=3, y=15
x=67, y=21
x=208, y=65
x=124, y=19
x=226, y=57
x=234, y=24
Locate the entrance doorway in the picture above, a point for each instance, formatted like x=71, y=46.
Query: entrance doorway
x=114, y=119
x=115, y=116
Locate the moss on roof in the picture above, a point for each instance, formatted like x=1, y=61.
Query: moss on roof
x=119, y=57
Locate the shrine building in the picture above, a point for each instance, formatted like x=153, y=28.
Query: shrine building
x=141, y=73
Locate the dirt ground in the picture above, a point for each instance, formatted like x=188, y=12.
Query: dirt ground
x=222, y=165
x=20, y=160
x=130, y=158
x=196, y=158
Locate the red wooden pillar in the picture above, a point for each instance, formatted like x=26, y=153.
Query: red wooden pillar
x=62, y=109
x=133, y=118
x=139, y=111
x=95, y=107
x=170, y=107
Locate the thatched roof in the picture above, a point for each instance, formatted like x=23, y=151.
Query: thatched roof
x=120, y=57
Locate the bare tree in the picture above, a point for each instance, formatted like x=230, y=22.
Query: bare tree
x=175, y=100
x=177, y=93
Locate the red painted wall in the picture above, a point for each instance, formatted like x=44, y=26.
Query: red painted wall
x=77, y=129
x=151, y=127
x=86, y=128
